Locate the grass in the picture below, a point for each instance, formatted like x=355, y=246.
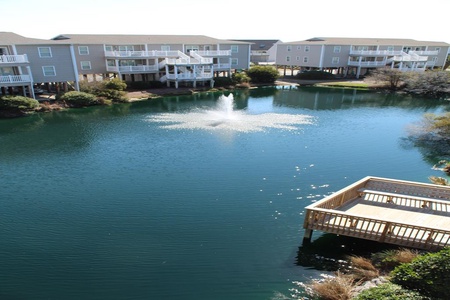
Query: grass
x=333, y=288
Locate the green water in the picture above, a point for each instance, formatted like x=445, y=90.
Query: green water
x=150, y=201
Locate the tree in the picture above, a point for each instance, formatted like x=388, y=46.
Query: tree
x=433, y=83
x=390, y=77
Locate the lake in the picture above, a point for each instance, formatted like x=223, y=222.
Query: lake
x=183, y=198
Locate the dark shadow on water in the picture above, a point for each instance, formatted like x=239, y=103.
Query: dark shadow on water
x=329, y=252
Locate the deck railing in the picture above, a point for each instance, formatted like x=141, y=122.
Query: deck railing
x=424, y=198
x=380, y=230
x=15, y=79
x=13, y=59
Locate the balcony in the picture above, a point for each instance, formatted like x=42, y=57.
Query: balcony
x=14, y=80
x=214, y=53
x=13, y=59
x=367, y=64
x=374, y=53
x=141, y=54
x=133, y=69
x=424, y=52
x=190, y=76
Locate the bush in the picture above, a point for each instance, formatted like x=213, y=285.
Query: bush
x=428, y=274
x=114, y=95
x=389, y=291
x=263, y=74
x=433, y=83
x=16, y=106
x=79, y=99
x=362, y=268
x=315, y=75
x=115, y=84
x=389, y=259
x=240, y=77
x=392, y=78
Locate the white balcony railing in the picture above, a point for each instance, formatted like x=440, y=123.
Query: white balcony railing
x=410, y=58
x=13, y=59
x=141, y=54
x=425, y=52
x=373, y=64
x=15, y=79
x=375, y=52
x=133, y=69
x=214, y=53
x=189, y=76
x=219, y=67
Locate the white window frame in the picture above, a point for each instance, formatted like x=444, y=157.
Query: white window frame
x=305, y=59
x=297, y=58
x=390, y=48
x=234, y=61
x=85, y=65
x=306, y=49
x=109, y=48
x=335, y=60
x=45, y=54
x=288, y=58
x=337, y=49
x=234, y=48
x=83, y=50
x=126, y=48
x=299, y=47
x=165, y=47
x=46, y=69
x=438, y=49
x=289, y=48
x=192, y=48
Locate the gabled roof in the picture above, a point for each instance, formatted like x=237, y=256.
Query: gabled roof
x=367, y=41
x=131, y=39
x=261, y=44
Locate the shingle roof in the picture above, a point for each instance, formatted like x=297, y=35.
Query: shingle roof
x=367, y=41
x=117, y=39
x=10, y=38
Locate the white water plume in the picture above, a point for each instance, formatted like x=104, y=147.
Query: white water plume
x=224, y=117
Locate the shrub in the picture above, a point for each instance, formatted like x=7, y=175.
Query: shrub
x=332, y=288
x=240, y=77
x=114, y=95
x=15, y=106
x=362, y=268
x=263, y=74
x=79, y=99
x=390, y=77
x=115, y=84
x=389, y=259
x=389, y=291
x=428, y=274
x=433, y=83
x=315, y=75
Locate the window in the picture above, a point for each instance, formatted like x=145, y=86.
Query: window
x=335, y=60
x=438, y=49
x=45, y=52
x=109, y=48
x=297, y=58
x=288, y=58
x=85, y=65
x=49, y=70
x=165, y=48
x=305, y=59
x=289, y=48
x=337, y=49
x=234, y=49
x=83, y=50
x=390, y=48
x=126, y=48
x=111, y=63
x=306, y=48
x=190, y=48
x=299, y=47
x=234, y=61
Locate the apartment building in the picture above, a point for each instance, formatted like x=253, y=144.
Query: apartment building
x=357, y=56
x=263, y=52
x=67, y=59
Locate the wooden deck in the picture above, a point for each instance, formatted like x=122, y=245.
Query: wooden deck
x=403, y=213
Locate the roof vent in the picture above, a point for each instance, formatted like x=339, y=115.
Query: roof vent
x=60, y=37
x=315, y=40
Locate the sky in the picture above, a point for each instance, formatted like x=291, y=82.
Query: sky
x=285, y=20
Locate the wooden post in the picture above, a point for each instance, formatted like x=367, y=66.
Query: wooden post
x=307, y=237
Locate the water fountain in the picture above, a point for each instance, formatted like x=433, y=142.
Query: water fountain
x=225, y=117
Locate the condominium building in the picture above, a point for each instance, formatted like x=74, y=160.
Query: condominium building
x=263, y=52
x=68, y=59
x=357, y=56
